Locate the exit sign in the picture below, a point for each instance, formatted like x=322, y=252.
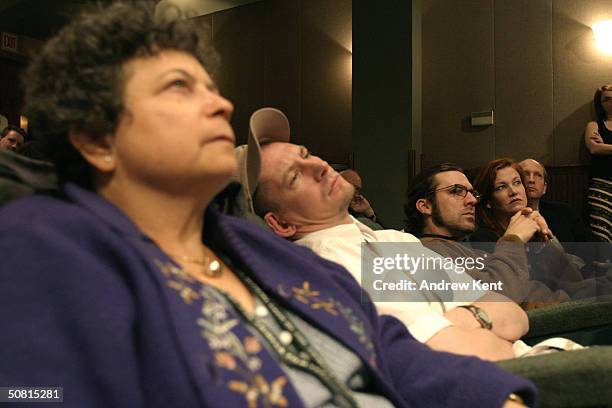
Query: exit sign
x=8, y=42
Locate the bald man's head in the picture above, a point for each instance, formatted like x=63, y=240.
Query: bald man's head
x=535, y=180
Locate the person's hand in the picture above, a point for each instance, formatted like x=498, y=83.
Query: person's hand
x=522, y=225
x=360, y=205
x=596, y=137
x=542, y=225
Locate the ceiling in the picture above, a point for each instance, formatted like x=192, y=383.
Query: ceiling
x=40, y=19
x=37, y=19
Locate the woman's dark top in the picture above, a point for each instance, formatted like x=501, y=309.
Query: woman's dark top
x=601, y=166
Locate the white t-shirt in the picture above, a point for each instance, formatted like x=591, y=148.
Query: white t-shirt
x=343, y=244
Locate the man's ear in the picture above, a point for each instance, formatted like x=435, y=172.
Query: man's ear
x=97, y=152
x=279, y=225
x=424, y=206
x=545, y=187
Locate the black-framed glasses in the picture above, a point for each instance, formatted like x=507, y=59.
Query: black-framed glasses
x=457, y=190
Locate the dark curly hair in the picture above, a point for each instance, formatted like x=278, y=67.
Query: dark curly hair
x=420, y=187
x=76, y=82
x=17, y=129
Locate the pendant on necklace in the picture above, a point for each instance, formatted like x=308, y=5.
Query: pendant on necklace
x=261, y=311
x=214, y=270
x=285, y=338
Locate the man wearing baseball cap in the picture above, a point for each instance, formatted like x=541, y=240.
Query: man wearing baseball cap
x=301, y=198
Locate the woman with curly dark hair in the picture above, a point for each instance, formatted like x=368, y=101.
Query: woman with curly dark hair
x=131, y=289
x=598, y=140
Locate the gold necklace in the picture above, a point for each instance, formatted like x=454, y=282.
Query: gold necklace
x=212, y=267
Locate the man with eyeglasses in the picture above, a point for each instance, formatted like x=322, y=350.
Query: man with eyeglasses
x=303, y=199
x=440, y=209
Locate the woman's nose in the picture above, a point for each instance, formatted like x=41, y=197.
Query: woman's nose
x=225, y=107
x=216, y=104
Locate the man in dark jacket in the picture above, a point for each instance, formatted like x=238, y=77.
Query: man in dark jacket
x=565, y=223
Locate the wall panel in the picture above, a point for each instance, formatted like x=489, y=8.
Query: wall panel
x=11, y=94
x=238, y=35
x=282, y=55
x=545, y=69
x=326, y=76
x=458, y=78
x=294, y=55
x=579, y=68
x=523, y=79
x=382, y=103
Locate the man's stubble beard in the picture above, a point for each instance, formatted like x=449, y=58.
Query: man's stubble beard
x=439, y=222
x=347, y=199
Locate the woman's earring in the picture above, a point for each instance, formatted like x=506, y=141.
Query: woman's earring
x=108, y=159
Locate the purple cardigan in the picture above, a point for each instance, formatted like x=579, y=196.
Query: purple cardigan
x=91, y=304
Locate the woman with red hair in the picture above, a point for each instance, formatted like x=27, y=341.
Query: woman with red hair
x=503, y=197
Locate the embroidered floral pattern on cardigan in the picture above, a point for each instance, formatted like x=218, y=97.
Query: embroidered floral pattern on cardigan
x=240, y=356
x=307, y=295
x=179, y=280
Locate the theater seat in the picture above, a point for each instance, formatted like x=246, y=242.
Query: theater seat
x=21, y=176
x=571, y=379
x=588, y=322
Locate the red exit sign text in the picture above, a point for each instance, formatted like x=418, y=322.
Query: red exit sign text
x=8, y=42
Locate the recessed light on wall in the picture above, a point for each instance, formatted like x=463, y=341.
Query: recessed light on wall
x=603, y=36
x=23, y=122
